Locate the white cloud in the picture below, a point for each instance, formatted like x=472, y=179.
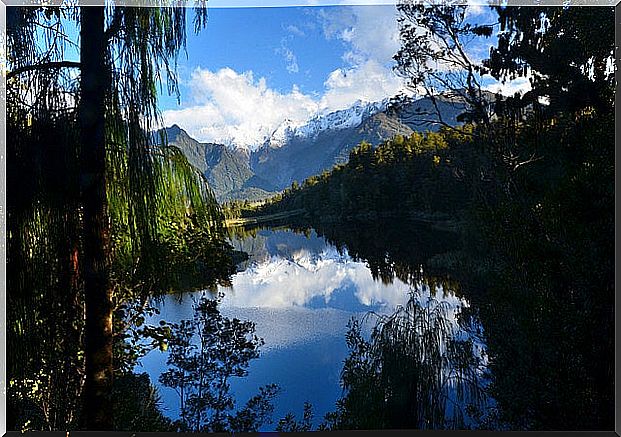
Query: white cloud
x=290, y=58
x=232, y=107
x=371, y=37
x=369, y=81
x=370, y=32
x=510, y=87
x=475, y=9
x=295, y=30
x=376, y=33
x=236, y=108
x=305, y=277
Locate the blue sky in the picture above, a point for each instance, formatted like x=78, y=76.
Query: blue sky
x=280, y=44
x=253, y=68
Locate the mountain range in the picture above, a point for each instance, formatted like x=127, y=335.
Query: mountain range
x=295, y=151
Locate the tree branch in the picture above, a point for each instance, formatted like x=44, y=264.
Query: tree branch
x=115, y=25
x=47, y=65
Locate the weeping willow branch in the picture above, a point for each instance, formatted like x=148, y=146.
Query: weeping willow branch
x=45, y=66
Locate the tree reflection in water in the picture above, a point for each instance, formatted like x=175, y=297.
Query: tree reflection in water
x=200, y=371
x=418, y=370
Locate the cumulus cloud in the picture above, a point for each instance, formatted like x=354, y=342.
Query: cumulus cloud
x=370, y=32
x=369, y=81
x=236, y=108
x=371, y=38
x=475, y=9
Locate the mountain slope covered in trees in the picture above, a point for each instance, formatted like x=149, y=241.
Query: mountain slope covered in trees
x=530, y=190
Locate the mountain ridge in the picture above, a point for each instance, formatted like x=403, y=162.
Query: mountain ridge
x=296, y=151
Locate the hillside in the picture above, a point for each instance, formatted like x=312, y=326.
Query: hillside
x=296, y=152
x=227, y=170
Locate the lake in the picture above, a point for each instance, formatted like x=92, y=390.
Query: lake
x=300, y=291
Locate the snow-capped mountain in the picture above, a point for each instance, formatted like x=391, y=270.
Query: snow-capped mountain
x=337, y=120
x=283, y=133
x=296, y=150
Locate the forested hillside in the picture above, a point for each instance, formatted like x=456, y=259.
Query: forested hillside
x=528, y=187
x=405, y=177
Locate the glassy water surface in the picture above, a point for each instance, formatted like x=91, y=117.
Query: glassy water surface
x=300, y=291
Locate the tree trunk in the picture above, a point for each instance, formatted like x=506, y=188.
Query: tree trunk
x=97, y=413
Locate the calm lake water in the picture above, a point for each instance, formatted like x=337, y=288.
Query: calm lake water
x=301, y=292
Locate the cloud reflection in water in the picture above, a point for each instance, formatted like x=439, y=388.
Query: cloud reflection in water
x=300, y=291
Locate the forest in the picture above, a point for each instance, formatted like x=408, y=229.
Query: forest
x=527, y=188
x=513, y=208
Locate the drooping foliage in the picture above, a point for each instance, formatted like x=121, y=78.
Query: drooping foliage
x=44, y=303
x=139, y=405
x=44, y=329
x=165, y=225
x=415, y=372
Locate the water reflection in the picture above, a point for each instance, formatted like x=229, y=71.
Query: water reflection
x=314, y=279
x=301, y=291
x=417, y=370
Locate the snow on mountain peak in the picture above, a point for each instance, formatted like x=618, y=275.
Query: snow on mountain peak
x=286, y=130
x=336, y=120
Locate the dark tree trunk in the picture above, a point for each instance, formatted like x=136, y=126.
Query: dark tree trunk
x=97, y=412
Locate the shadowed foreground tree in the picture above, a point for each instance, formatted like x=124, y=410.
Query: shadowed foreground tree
x=94, y=82
x=538, y=258
x=556, y=220
x=101, y=225
x=436, y=62
x=290, y=424
x=568, y=61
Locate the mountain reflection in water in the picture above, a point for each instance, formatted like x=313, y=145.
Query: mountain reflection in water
x=300, y=291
